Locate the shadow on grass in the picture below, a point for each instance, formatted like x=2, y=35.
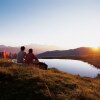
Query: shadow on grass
x=17, y=89
x=6, y=64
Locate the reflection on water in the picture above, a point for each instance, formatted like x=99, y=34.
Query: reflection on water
x=72, y=66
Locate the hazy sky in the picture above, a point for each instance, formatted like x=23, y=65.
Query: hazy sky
x=65, y=23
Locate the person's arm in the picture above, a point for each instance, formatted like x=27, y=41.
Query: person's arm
x=36, y=59
x=24, y=59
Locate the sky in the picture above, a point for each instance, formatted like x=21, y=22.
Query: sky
x=64, y=23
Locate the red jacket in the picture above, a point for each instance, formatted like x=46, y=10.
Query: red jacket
x=30, y=58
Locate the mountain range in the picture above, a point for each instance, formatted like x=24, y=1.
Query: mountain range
x=37, y=48
x=48, y=51
x=70, y=52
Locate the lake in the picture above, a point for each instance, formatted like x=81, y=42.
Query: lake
x=72, y=66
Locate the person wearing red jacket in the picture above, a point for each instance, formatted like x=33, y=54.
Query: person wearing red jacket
x=31, y=58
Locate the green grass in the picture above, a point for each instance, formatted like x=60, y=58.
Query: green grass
x=23, y=82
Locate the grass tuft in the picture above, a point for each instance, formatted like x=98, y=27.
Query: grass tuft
x=24, y=82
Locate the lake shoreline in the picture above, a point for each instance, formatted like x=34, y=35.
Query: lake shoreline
x=93, y=60
x=28, y=83
x=75, y=67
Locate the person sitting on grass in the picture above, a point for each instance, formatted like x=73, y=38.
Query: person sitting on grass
x=21, y=55
x=31, y=58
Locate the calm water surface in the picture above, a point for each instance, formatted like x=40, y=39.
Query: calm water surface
x=72, y=66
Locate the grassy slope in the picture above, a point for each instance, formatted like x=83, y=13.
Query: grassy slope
x=22, y=82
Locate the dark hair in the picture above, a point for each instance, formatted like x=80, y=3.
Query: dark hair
x=30, y=50
x=22, y=48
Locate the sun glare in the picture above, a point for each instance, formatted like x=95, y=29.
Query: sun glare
x=95, y=49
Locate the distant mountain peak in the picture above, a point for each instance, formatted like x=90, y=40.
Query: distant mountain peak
x=37, y=48
x=70, y=52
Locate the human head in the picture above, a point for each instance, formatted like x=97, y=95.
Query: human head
x=30, y=50
x=22, y=48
